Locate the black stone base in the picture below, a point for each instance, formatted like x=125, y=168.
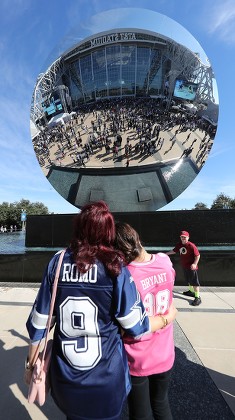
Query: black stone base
x=216, y=268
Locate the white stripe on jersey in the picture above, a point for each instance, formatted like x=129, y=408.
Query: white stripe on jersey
x=39, y=321
x=136, y=316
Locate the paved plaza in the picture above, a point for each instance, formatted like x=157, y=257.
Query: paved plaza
x=203, y=385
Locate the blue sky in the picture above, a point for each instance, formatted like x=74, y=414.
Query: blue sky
x=31, y=30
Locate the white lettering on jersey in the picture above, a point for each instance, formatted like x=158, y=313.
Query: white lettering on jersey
x=150, y=281
x=157, y=304
x=79, y=323
x=71, y=274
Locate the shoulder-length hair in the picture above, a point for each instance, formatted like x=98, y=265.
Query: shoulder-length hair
x=93, y=238
x=128, y=241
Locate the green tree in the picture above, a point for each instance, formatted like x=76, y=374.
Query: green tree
x=232, y=203
x=200, y=206
x=222, y=201
x=4, y=213
x=10, y=213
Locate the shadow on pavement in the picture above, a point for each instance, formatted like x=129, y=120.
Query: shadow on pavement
x=193, y=394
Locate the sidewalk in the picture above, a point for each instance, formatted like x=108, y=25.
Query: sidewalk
x=203, y=384
x=204, y=381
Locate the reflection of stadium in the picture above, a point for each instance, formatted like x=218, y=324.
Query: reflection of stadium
x=121, y=85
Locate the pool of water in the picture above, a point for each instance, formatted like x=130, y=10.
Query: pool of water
x=14, y=243
x=214, y=247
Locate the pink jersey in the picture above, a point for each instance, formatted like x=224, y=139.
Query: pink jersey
x=153, y=353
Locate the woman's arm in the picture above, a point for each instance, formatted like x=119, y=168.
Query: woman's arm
x=29, y=363
x=160, y=321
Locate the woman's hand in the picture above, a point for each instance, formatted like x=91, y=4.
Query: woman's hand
x=172, y=312
x=160, y=321
x=33, y=349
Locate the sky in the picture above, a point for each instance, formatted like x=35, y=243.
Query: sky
x=31, y=31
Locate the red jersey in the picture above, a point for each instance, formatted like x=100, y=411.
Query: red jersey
x=187, y=252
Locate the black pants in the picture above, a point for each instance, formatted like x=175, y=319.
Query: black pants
x=148, y=398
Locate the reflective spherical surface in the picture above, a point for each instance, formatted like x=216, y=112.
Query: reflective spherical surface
x=127, y=114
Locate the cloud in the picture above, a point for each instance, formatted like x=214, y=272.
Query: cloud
x=219, y=149
x=13, y=11
x=222, y=20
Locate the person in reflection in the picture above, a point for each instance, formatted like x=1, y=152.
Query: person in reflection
x=96, y=299
x=189, y=258
x=151, y=357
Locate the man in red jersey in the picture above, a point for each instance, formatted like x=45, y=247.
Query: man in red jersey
x=189, y=258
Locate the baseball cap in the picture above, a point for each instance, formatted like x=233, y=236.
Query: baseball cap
x=184, y=233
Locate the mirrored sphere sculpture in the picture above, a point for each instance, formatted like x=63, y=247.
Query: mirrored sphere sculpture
x=127, y=114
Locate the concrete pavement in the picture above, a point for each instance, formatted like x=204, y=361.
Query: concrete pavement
x=204, y=378
x=203, y=383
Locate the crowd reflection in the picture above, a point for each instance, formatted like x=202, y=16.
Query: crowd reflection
x=124, y=132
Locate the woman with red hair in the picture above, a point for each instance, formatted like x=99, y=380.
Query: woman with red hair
x=96, y=299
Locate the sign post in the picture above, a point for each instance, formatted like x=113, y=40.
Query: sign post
x=23, y=219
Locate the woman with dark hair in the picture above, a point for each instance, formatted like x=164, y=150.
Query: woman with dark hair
x=96, y=298
x=150, y=357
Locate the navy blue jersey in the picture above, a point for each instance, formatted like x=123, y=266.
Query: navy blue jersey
x=89, y=371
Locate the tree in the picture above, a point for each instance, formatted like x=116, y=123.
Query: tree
x=200, y=206
x=222, y=201
x=232, y=203
x=4, y=211
x=10, y=213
